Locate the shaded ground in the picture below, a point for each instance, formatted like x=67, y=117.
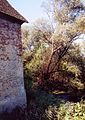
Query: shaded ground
x=39, y=103
x=17, y=114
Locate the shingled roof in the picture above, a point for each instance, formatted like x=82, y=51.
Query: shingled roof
x=7, y=9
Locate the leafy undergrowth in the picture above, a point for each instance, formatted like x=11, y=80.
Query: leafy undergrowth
x=72, y=111
x=47, y=106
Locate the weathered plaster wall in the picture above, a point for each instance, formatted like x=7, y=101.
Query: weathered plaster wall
x=12, y=91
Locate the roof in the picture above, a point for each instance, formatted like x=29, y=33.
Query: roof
x=7, y=9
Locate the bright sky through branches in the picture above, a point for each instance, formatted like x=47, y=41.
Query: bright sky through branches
x=83, y=1
x=30, y=9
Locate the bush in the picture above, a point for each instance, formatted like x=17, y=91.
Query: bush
x=67, y=111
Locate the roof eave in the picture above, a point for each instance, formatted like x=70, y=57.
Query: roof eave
x=12, y=19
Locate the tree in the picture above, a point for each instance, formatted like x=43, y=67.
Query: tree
x=70, y=19
x=54, y=42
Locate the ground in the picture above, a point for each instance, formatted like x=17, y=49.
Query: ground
x=47, y=106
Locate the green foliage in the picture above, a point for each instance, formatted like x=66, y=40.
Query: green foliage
x=51, y=59
x=36, y=62
x=67, y=111
x=49, y=53
x=72, y=111
x=49, y=107
x=69, y=67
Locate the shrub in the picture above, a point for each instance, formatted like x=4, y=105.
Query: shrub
x=67, y=111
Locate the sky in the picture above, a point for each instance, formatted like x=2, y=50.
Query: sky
x=30, y=9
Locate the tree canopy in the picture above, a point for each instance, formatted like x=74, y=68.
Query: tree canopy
x=49, y=50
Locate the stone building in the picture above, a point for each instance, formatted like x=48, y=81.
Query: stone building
x=12, y=92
